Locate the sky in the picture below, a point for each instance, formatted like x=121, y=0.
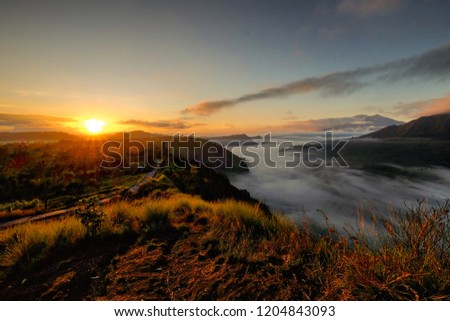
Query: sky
x=219, y=67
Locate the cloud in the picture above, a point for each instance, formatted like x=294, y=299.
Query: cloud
x=33, y=93
x=18, y=122
x=341, y=193
x=364, y=8
x=289, y=116
x=229, y=126
x=340, y=83
x=160, y=124
x=433, y=64
x=361, y=123
x=421, y=108
x=410, y=109
x=333, y=32
x=437, y=106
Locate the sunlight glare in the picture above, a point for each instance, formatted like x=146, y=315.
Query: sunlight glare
x=94, y=126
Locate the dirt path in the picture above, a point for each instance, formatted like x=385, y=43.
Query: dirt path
x=59, y=213
x=38, y=217
x=134, y=189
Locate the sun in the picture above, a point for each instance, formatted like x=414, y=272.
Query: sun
x=94, y=126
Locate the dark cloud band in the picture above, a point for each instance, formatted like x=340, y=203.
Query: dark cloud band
x=433, y=64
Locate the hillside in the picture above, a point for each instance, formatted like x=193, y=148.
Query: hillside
x=357, y=123
x=205, y=182
x=436, y=126
x=173, y=246
x=35, y=136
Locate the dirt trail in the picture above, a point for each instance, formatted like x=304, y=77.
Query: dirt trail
x=62, y=212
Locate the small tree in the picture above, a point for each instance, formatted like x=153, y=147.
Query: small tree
x=91, y=214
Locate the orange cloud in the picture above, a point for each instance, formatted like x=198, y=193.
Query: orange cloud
x=20, y=122
x=161, y=124
x=437, y=106
x=422, y=108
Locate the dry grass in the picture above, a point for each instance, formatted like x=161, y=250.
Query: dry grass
x=26, y=244
x=405, y=257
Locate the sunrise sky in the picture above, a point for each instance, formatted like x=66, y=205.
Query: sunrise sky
x=219, y=66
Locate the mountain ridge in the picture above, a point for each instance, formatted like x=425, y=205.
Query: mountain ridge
x=360, y=122
x=435, y=126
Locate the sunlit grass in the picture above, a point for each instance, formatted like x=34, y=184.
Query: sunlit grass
x=26, y=244
x=405, y=257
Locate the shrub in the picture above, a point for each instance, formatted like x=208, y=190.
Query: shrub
x=156, y=217
x=35, y=204
x=91, y=214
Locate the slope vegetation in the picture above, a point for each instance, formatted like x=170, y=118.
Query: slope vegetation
x=172, y=246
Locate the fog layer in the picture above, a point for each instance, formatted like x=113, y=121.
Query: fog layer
x=339, y=192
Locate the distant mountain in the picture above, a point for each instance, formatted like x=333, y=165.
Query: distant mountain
x=50, y=136
x=135, y=134
x=360, y=123
x=35, y=136
x=436, y=126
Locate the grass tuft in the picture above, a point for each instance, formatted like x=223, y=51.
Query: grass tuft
x=25, y=245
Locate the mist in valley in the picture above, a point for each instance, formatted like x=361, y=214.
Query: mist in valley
x=342, y=193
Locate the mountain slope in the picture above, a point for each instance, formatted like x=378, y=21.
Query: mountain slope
x=357, y=123
x=436, y=126
x=360, y=123
x=173, y=246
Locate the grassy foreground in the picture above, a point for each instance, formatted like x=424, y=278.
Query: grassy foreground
x=173, y=246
